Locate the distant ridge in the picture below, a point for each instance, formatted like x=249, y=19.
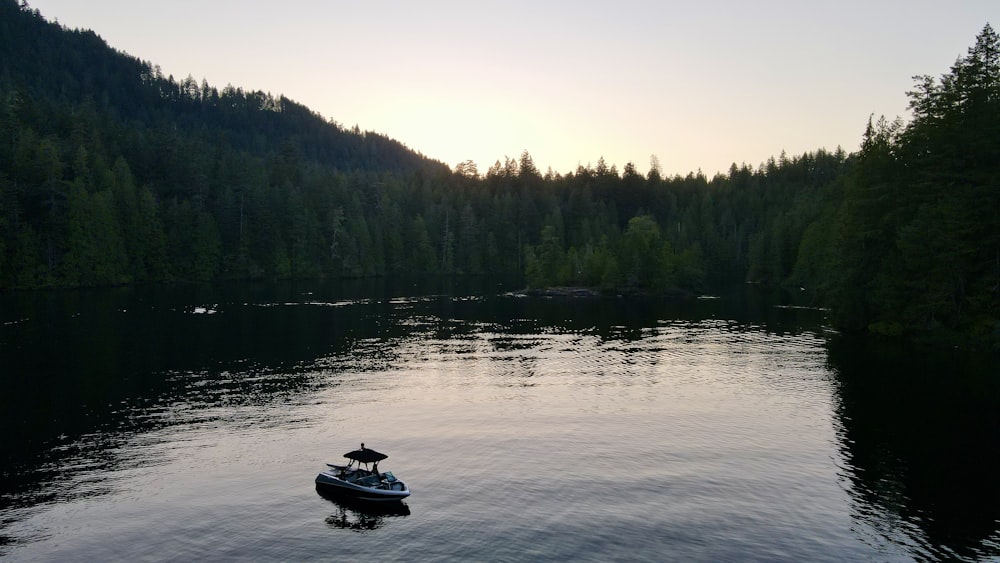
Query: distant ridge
x=55, y=65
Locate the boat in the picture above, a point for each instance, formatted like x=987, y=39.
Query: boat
x=357, y=482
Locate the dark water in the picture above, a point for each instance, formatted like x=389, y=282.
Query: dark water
x=188, y=423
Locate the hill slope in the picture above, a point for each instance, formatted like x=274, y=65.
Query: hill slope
x=56, y=66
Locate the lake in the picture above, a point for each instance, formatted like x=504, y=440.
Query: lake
x=186, y=423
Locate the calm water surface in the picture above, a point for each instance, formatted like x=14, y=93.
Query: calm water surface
x=189, y=423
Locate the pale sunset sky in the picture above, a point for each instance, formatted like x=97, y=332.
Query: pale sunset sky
x=699, y=84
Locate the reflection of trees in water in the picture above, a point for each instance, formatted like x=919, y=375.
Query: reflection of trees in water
x=361, y=516
x=920, y=434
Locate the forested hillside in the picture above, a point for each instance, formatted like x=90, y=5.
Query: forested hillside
x=913, y=243
x=111, y=173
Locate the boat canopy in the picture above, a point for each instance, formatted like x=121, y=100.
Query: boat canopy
x=365, y=455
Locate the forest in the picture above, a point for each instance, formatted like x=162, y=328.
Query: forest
x=111, y=173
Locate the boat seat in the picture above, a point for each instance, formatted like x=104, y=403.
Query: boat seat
x=369, y=481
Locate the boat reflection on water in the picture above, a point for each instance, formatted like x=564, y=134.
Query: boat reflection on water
x=359, y=515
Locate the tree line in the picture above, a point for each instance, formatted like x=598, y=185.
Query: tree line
x=111, y=173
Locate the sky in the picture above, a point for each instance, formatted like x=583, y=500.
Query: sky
x=701, y=85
